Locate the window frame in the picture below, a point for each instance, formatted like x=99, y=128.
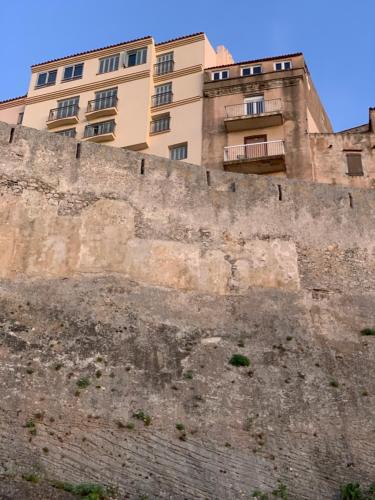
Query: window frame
x=287, y=61
x=73, y=77
x=47, y=82
x=63, y=132
x=175, y=147
x=100, y=124
x=220, y=73
x=141, y=52
x=354, y=173
x=110, y=69
x=251, y=68
x=165, y=117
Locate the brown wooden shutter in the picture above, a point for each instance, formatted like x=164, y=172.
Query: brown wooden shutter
x=354, y=161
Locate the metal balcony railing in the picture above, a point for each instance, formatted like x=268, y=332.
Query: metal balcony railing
x=245, y=152
x=164, y=67
x=162, y=98
x=99, y=129
x=103, y=103
x=160, y=125
x=253, y=108
x=63, y=112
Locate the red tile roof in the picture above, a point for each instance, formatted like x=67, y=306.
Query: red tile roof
x=284, y=56
x=93, y=50
x=180, y=38
x=116, y=45
x=13, y=99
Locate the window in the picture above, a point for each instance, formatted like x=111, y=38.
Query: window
x=254, y=105
x=108, y=64
x=163, y=94
x=100, y=128
x=73, y=72
x=136, y=57
x=354, y=163
x=70, y=132
x=46, y=78
x=103, y=100
x=220, y=75
x=20, y=118
x=251, y=70
x=160, y=123
x=178, y=152
x=164, y=64
x=279, y=66
x=65, y=109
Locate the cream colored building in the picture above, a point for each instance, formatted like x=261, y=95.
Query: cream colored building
x=141, y=95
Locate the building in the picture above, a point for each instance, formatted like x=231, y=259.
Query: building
x=138, y=94
x=184, y=100
x=258, y=116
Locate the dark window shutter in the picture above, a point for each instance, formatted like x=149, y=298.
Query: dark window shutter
x=354, y=161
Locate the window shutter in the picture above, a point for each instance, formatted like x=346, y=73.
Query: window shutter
x=354, y=161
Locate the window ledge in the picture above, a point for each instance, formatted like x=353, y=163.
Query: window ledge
x=71, y=79
x=44, y=85
x=160, y=132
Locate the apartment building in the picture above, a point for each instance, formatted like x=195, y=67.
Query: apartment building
x=258, y=114
x=139, y=94
x=183, y=100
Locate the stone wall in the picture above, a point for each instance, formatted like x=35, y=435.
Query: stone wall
x=144, y=276
x=328, y=152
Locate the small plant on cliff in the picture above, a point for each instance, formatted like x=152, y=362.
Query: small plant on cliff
x=239, y=360
x=258, y=495
x=180, y=427
x=351, y=491
x=141, y=415
x=83, y=382
x=281, y=491
x=334, y=383
x=368, y=331
x=188, y=375
x=87, y=491
x=32, y=477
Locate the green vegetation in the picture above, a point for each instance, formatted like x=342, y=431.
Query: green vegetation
x=180, y=427
x=334, y=383
x=259, y=495
x=188, y=375
x=281, y=491
x=83, y=382
x=239, y=360
x=45, y=449
x=353, y=491
x=368, y=331
x=32, y=477
x=87, y=491
x=141, y=415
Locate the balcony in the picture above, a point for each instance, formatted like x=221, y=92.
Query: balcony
x=164, y=67
x=161, y=99
x=258, y=158
x=253, y=114
x=65, y=115
x=100, y=132
x=106, y=106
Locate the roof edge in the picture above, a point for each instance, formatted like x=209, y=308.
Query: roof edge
x=283, y=56
x=12, y=99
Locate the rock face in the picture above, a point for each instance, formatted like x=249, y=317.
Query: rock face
x=128, y=282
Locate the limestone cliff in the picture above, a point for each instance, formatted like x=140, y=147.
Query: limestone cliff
x=127, y=284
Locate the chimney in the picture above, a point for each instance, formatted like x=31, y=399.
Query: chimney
x=223, y=56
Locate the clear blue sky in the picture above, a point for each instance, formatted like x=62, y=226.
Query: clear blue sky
x=337, y=37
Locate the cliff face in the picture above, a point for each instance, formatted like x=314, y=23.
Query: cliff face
x=127, y=284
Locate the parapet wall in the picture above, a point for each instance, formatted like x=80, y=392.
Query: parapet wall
x=171, y=224
x=128, y=281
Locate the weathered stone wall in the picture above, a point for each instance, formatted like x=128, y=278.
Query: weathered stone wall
x=328, y=152
x=144, y=276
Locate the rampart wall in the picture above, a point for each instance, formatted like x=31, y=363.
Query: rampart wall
x=144, y=276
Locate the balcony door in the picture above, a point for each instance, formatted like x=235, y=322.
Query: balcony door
x=255, y=146
x=105, y=99
x=254, y=105
x=67, y=107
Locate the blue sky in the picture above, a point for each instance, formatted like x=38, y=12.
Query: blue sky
x=337, y=37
